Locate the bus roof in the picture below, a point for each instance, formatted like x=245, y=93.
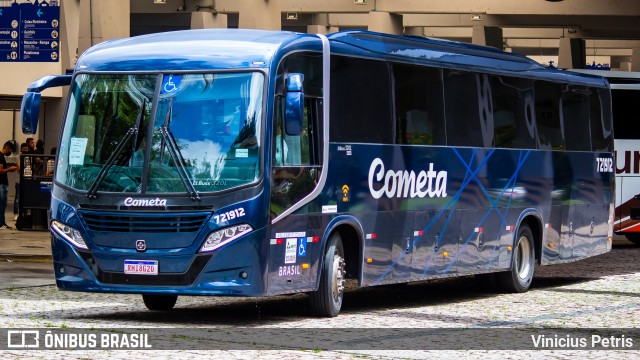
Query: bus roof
x=211, y=49
x=188, y=50
x=451, y=54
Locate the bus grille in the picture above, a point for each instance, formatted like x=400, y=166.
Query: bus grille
x=128, y=222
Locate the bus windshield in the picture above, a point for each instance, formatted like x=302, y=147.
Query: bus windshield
x=204, y=135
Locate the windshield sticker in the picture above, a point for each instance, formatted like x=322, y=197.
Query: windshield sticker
x=242, y=153
x=77, y=149
x=170, y=84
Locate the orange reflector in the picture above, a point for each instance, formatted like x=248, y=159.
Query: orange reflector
x=305, y=266
x=609, y=239
x=509, y=248
x=369, y=260
x=445, y=254
x=550, y=244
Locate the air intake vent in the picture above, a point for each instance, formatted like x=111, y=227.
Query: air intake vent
x=156, y=223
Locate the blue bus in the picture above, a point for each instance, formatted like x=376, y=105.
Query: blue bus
x=255, y=163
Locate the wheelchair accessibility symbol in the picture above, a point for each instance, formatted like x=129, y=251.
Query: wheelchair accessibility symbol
x=170, y=83
x=302, y=247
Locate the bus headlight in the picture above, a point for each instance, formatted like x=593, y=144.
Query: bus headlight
x=224, y=236
x=68, y=233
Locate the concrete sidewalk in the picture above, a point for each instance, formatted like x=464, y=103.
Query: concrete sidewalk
x=16, y=245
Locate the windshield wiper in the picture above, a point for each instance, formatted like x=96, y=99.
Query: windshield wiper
x=176, y=156
x=91, y=193
x=133, y=131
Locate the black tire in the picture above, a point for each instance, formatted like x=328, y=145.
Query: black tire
x=327, y=300
x=160, y=302
x=518, y=278
x=634, y=238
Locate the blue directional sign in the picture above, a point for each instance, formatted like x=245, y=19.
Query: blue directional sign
x=29, y=31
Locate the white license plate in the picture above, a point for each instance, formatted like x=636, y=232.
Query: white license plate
x=141, y=267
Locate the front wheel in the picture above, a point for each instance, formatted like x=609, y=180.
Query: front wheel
x=327, y=300
x=160, y=302
x=519, y=277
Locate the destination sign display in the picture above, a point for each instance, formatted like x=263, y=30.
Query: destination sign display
x=29, y=30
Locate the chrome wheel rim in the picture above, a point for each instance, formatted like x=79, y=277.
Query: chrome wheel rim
x=337, y=285
x=523, y=259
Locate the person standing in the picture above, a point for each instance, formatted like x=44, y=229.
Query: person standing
x=24, y=149
x=39, y=147
x=8, y=148
x=31, y=143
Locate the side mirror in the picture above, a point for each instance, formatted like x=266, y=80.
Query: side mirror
x=29, y=112
x=294, y=104
x=30, y=108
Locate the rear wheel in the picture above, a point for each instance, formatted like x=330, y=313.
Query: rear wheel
x=327, y=300
x=519, y=277
x=160, y=302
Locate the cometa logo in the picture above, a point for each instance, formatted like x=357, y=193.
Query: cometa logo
x=403, y=183
x=145, y=202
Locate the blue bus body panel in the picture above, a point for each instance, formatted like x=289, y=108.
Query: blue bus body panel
x=181, y=267
x=474, y=199
x=470, y=229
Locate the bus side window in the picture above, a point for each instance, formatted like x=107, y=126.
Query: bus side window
x=514, y=126
x=601, y=131
x=361, y=101
x=302, y=149
x=575, y=115
x=550, y=129
x=468, y=106
x=419, y=105
x=296, y=160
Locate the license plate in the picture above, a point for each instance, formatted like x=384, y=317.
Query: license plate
x=141, y=267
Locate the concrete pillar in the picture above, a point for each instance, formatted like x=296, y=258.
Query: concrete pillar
x=69, y=32
x=635, y=59
x=487, y=36
x=385, y=22
x=260, y=14
x=320, y=25
x=321, y=29
x=208, y=20
x=572, y=53
x=414, y=31
x=102, y=20
x=317, y=29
